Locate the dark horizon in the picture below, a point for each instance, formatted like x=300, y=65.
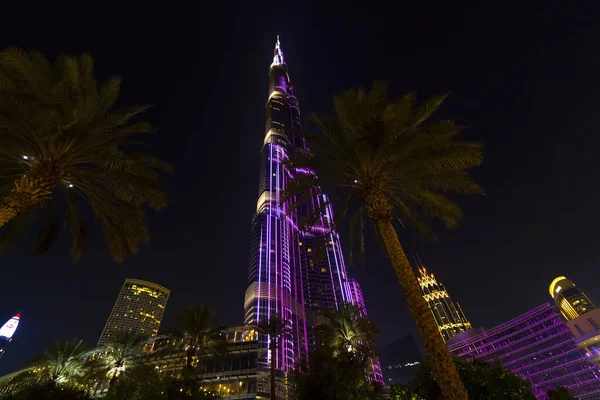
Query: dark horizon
x=522, y=78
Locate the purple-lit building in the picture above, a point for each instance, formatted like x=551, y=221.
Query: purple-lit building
x=537, y=346
x=285, y=277
x=357, y=295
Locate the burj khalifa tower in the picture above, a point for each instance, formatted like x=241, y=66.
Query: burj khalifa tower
x=285, y=278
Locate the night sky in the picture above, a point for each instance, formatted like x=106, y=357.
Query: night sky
x=523, y=77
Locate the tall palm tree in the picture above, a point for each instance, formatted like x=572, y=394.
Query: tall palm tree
x=120, y=353
x=60, y=133
x=196, y=335
x=392, y=164
x=61, y=364
x=275, y=327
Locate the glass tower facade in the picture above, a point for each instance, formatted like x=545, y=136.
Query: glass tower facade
x=537, y=346
x=448, y=315
x=285, y=276
x=139, y=308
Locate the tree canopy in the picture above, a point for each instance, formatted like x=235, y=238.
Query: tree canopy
x=62, y=136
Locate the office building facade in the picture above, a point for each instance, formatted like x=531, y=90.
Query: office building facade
x=285, y=275
x=536, y=346
x=448, y=315
x=233, y=375
x=139, y=308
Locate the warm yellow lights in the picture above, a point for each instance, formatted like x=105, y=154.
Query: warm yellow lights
x=553, y=285
x=436, y=295
x=137, y=290
x=568, y=310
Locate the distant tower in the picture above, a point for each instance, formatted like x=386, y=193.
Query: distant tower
x=139, y=308
x=448, y=315
x=571, y=301
x=7, y=331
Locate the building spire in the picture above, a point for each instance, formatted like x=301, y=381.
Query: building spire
x=277, y=54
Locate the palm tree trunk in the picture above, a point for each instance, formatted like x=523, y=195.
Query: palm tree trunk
x=112, y=383
x=187, y=371
x=28, y=191
x=273, y=355
x=442, y=365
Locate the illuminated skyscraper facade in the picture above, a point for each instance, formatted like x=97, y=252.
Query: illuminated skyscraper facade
x=139, y=308
x=448, y=315
x=285, y=276
x=537, y=346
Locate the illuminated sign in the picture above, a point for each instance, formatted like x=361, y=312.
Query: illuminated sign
x=9, y=328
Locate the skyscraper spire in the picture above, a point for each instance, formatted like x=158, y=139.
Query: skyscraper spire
x=278, y=54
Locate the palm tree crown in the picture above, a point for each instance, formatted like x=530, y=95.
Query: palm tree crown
x=347, y=331
x=60, y=133
x=386, y=160
x=196, y=333
x=120, y=353
x=60, y=364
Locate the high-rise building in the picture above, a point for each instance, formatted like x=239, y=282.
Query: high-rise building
x=571, y=301
x=448, y=315
x=139, y=308
x=285, y=275
x=536, y=346
x=7, y=331
x=583, y=318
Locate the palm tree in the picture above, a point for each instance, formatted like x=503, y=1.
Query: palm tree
x=347, y=331
x=391, y=164
x=275, y=327
x=197, y=335
x=341, y=362
x=61, y=364
x=60, y=132
x=120, y=353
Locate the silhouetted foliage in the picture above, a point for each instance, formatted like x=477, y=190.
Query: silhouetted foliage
x=61, y=136
x=340, y=364
x=483, y=381
x=48, y=391
x=560, y=393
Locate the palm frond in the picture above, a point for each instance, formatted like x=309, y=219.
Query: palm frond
x=391, y=157
x=14, y=229
x=57, y=121
x=47, y=236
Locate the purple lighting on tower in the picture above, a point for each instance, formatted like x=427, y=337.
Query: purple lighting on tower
x=284, y=276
